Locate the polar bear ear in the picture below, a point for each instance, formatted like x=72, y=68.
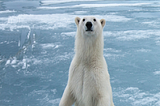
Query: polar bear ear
x=103, y=22
x=77, y=20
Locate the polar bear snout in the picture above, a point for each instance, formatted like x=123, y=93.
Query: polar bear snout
x=89, y=26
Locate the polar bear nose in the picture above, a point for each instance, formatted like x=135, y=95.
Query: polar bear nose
x=89, y=26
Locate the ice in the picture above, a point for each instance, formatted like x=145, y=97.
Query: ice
x=7, y=11
x=80, y=12
x=89, y=6
x=8, y=62
x=109, y=5
x=55, y=101
x=143, y=50
x=14, y=61
x=111, y=50
x=133, y=34
x=112, y=53
x=72, y=34
x=116, y=18
x=49, y=21
x=138, y=97
x=157, y=73
x=53, y=7
x=152, y=23
x=62, y=1
x=51, y=45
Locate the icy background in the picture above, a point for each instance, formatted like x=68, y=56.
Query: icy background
x=37, y=46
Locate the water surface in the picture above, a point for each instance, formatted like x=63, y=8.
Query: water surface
x=37, y=45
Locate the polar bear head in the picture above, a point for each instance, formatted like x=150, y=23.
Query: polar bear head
x=90, y=26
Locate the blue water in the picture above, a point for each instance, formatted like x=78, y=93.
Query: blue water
x=37, y=45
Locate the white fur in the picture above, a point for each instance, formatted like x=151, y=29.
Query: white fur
x=89, y=81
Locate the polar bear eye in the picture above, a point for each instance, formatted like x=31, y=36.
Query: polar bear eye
x=94, y=20
x=83, y=20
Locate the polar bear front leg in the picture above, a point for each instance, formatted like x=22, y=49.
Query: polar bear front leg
x=67, y=98
x=104, y=101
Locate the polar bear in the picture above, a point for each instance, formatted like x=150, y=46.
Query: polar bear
x=89, y=80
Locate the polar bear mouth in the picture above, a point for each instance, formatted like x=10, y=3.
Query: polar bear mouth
x=89, y=30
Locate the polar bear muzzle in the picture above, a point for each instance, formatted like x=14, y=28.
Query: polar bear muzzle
x=89, y=26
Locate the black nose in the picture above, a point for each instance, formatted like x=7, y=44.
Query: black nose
x=88, y=25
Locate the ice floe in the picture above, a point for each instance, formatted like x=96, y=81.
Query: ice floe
x=109, y=5
x=143, y=50
x=136, y=97
x=48, y=21
x=7, y=11
x=89, y=5
x=50, y=45
x=156, y=73
x=49, y=2
x=132, y=34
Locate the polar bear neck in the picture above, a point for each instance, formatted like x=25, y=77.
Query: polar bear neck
x=90, y=48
